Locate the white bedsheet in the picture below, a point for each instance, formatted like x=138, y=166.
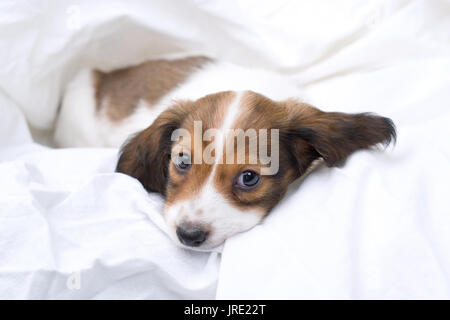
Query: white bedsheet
x=377, y=228
x=72, y=228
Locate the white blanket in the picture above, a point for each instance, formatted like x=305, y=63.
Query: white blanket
x=379, y=227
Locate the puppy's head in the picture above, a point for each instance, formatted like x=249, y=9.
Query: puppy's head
x=224, y=161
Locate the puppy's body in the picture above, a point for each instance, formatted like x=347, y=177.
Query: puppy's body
x=208, y=199
x=102, y=122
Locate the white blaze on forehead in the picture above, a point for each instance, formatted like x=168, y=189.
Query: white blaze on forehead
x=231, y=115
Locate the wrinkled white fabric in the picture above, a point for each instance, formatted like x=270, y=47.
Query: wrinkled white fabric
x=71, y=228
x=379, y=227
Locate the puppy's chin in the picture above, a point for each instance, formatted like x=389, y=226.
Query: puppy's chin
x=204, y=248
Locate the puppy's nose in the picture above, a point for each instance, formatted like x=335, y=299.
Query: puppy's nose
x=192, y=236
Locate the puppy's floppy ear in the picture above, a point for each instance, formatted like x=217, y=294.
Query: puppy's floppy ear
x=335, y=135
x=146, y=156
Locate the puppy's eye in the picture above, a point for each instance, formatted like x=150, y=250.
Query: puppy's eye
x=182, y=162
x=247, y=180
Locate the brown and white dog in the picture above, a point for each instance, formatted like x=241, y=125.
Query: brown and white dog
x=217, y=195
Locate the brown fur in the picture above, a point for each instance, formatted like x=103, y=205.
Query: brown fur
x=119, y=91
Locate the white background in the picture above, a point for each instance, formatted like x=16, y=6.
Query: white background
x=377, y=228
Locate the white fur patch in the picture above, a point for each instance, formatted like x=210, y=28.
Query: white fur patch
x=77, y=123
x=114, y=133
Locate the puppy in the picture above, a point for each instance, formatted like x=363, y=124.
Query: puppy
x=221, y=143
